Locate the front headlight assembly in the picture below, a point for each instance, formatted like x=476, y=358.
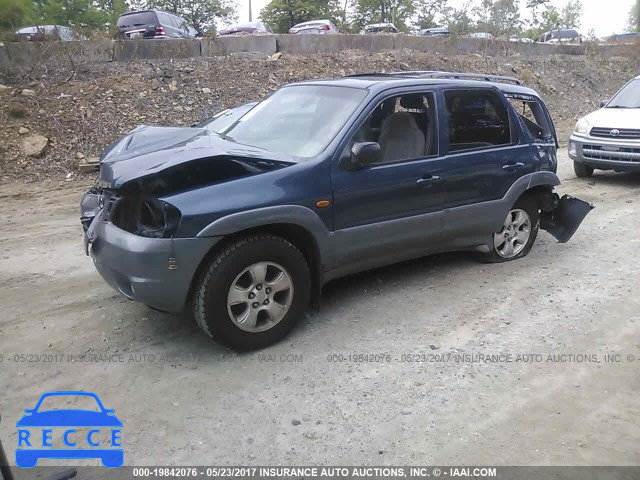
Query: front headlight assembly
x=583, y=126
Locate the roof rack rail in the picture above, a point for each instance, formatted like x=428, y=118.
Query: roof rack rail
x=462, y=76
x=373, y=74
x=439, y=74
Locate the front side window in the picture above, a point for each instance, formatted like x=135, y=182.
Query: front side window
x=477, y=119
x=403, y=125
x=300, y=120
x=628, y=97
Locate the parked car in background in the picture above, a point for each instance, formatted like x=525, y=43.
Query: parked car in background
x=377, y=28
x=152, y=24
x=567, y=35
x=318, y=27
x=609, y=138
x=484, y=35
x=623, y=38
x=435, y=32
x=521, y=40
x=251, y=28
x=46, y=32
x=319, y=180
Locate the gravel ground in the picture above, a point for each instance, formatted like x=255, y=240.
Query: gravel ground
x=290, y=405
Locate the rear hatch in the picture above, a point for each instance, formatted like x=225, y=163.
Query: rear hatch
x=138, y=24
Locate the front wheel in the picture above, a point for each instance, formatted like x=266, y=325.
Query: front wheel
x=252, y=293
x=518, y=234
x=582, y=170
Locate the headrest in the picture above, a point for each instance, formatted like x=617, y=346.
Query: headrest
x=412, y=102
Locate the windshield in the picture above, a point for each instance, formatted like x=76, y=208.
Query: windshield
x=300, y=120
x=223, y=120
x=628, y=97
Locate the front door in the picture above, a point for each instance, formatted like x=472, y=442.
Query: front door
x=392, y=208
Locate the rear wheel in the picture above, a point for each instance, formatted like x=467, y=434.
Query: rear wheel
x=518, y=233
x=252, y=293
x=582, y=170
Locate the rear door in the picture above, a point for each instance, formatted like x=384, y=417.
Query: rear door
x=484, y=157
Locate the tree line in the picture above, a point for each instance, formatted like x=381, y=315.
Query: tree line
x=498, y=17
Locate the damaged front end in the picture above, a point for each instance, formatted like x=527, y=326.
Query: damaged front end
x=140, y=241
x=561, y=217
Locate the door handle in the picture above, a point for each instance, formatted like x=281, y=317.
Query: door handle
x=513, y=166
x=428, y=180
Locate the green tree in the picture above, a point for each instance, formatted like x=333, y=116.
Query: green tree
x=14, y=14
x=459, y=20
x=534, y=7
x=571, y=14
x=505, y=18
x=397, y=12
x=568, y=17
x=281, y=15
x=111, y=10
x=201, y=14
x=634, y=17
x=430, y=13
x=73, y=13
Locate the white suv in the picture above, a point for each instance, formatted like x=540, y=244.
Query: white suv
x=609, y=138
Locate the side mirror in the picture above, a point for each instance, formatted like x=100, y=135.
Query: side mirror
x=363, y=153
x=603, y=103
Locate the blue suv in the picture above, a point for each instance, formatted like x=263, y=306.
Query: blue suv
x=242, y=224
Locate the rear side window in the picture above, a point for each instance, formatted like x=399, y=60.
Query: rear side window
x=139, y=19
x=178, y=22
x=477, y=119
x=166, y=20
x=533, y=116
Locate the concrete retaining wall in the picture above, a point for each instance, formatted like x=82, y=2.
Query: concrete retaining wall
x=26, y=54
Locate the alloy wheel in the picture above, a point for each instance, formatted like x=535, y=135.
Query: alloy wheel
x=260, y=297
x=515, y=234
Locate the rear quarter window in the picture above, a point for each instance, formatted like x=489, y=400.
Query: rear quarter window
x=533, y=116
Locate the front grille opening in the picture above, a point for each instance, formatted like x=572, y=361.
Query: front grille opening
x=615, y=132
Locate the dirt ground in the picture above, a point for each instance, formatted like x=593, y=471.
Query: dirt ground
x=185, y=400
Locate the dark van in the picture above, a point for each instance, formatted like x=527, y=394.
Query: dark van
x=152, y=24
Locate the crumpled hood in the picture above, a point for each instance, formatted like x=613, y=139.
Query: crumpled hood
x=615, y=118
x=147, y=150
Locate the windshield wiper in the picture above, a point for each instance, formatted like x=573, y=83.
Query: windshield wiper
x=621, y=106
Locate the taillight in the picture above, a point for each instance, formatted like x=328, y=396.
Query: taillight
x=326, y=27
x=159, y=30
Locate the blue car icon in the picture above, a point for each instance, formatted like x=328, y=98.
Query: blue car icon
x=37, y=418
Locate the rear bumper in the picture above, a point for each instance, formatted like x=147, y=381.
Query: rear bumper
x=604, y=154
x=155, y=271
x=565, y=216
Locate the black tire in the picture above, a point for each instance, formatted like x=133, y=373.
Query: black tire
x=209, y=301
x=582, y=170
x=530, y=206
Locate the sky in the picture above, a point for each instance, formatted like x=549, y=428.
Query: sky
x=605, y=17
